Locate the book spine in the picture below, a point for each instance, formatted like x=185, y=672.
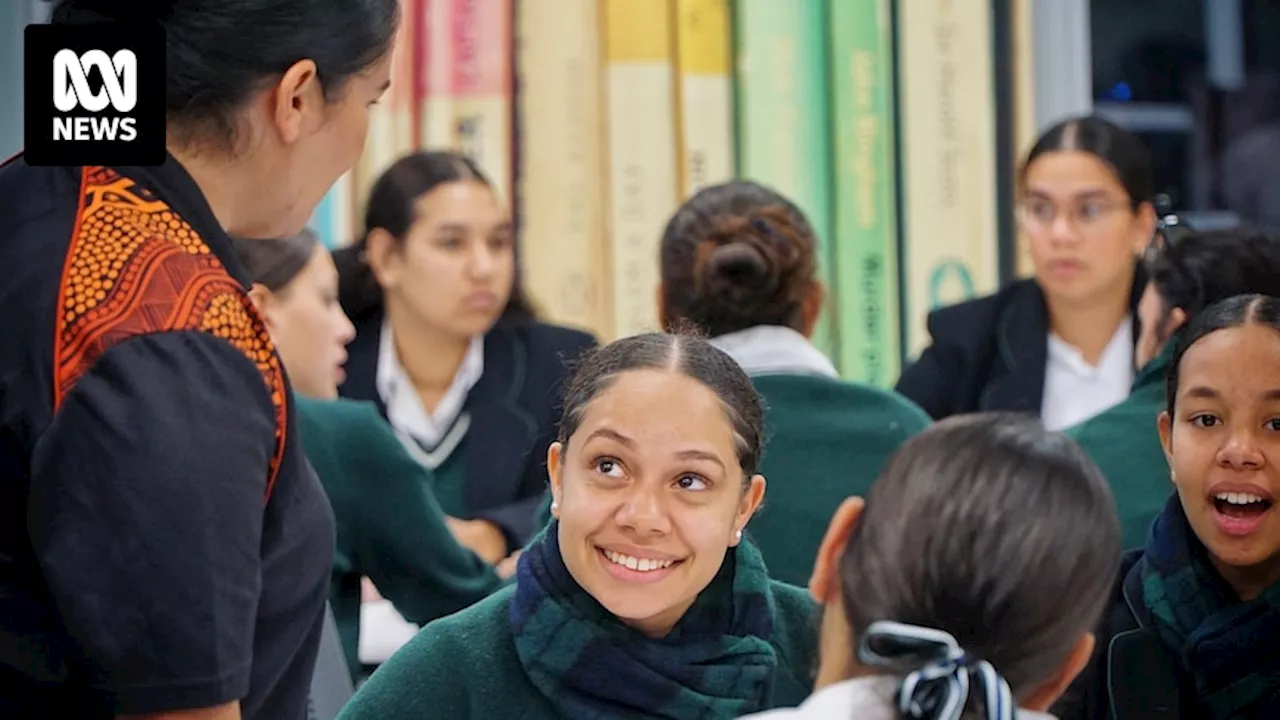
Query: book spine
x=866, y=202
x=949, y=156
x=481, y=87
x=704, y=98
x=642, y=167
x=436, y=131
x=782, y=118
x=1024, y=112
x=561, y=188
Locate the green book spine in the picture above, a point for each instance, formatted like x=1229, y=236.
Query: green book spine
x=865, y=242
x=782, y=117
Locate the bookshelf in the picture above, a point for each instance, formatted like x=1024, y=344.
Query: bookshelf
x=618, y=110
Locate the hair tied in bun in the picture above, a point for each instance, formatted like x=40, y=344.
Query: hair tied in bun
x=737, y=264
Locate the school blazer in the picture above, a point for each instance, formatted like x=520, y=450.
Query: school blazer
x=1132, y=674
x=989, y=353
x=514, y=407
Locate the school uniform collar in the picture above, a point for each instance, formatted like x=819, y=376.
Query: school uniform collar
x=774, y=350
x=430, y=436
x=172, y=184
x=865, y=698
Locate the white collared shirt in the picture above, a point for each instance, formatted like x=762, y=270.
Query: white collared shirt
x=1074, y=390
x=430, y=437
x=865, y=698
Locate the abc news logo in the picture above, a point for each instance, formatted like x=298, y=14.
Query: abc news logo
x=94, y=95
x=71, y=91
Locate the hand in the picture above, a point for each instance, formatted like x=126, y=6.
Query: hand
x=480, y=537
x=507, y=567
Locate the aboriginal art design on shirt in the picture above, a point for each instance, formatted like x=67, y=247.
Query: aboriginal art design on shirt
x=136, y=267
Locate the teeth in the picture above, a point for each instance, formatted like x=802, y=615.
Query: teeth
x=1237, y=498
x=638, y=564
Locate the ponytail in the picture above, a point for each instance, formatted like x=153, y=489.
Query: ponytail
x=941, y=676
x=358, y=290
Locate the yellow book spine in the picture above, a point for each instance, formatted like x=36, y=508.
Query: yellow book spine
x=561, y=185
x=704, y=98
x=642, y=166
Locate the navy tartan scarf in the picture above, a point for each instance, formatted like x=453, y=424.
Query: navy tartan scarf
x=1230, y=647
x=717, y=662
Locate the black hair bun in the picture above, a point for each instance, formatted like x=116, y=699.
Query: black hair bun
x=738, y=264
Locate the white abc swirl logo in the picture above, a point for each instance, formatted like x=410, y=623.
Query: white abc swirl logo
x=71, y=81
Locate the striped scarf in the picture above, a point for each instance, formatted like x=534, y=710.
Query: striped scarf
x=1227, y=645
x=717, y=662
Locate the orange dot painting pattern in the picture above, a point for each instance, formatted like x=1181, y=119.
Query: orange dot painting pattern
x=136, y=267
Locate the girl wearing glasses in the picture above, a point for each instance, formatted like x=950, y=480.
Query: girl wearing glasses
x=1060, y=344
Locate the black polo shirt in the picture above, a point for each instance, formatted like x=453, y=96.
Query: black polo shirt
x=164, y=544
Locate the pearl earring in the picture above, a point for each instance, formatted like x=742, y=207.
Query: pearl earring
x=555, y=506
x=738, y=536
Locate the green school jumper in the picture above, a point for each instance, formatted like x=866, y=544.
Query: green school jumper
x=825, y=440
x=1125, y=444
x=389, y=525
x=466, y=666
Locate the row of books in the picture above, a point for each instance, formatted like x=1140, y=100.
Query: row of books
x=597, y=118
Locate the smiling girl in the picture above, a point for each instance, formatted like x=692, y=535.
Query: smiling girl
x=642, y=598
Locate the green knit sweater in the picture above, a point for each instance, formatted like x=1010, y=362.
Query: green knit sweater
x=389, y=526
x=466, y=666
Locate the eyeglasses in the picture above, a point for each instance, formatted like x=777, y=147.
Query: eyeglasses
x=1038, y=215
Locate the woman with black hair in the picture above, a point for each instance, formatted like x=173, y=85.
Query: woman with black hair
x=1192, y=628
x=449, y=349
x=963, y=586
x=164, y=546
x=1188, y=271
x=390, y=528
x=1059, y=345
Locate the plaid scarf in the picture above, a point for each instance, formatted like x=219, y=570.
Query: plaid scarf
x=717, y=662
x=1227, y=645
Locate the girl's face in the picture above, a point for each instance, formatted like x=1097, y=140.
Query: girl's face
x=308, y=326
x=455, y=267
x=1223, y=445
x=650, y=496
x=1082, y=234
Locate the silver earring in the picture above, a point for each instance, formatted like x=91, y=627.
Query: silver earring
x=555, y=506
x=738, y=536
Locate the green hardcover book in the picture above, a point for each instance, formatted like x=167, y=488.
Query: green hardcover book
x=865, y=242
x=783, y=129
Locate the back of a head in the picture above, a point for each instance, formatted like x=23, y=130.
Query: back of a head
x=992, y=529
x=275, y=262
x=218, y=53
x=735, y=256
x=1204, y=267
